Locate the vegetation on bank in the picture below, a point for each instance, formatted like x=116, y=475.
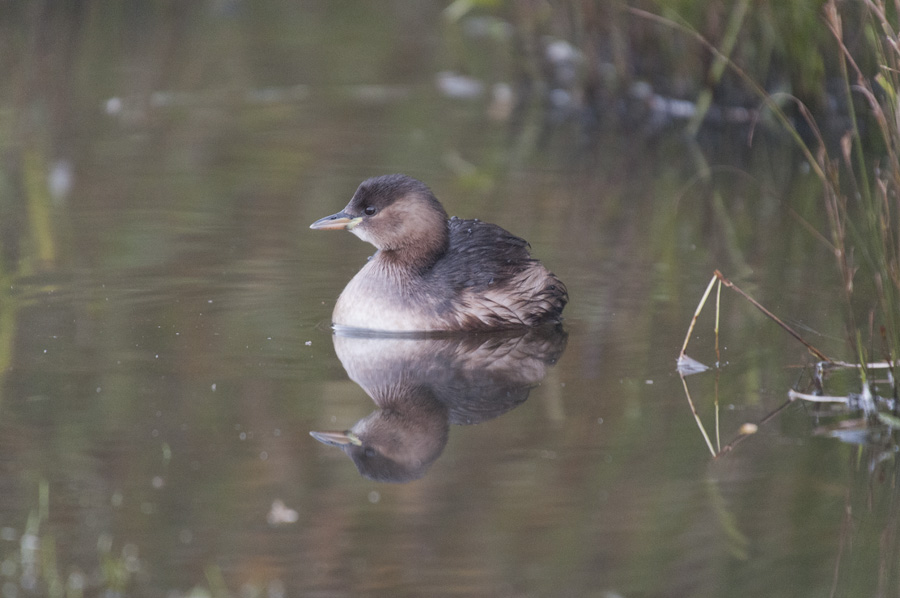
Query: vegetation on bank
x=825, y=73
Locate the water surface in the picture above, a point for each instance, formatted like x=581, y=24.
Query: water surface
x=166, y=346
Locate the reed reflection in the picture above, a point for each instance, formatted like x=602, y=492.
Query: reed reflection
x=422, y=385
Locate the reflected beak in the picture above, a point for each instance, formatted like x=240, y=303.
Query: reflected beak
x=337, y=438
x=339, y=221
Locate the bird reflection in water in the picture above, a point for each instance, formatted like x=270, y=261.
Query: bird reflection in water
x=422, y=385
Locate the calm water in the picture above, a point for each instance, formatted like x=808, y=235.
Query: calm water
x=166, y=350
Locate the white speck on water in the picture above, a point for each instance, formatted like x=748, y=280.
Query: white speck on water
x=213, y=387
x=209, y=301
x=113, y=105
x=157, y=356
x=243, y=436
x=59, y=180
x=374, y=496
x=99, y=389
x=45, y=350
x=158, y=482
x=308, y=343
x=280, y=514
x=458, y=86
x=599, y=420
x=648, y=381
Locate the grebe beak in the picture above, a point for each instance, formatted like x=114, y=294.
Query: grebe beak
x=339, y=221
x=337, y=438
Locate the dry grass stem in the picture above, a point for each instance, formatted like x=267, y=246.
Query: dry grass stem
x=687, y=393
x=793, y=395
x=772, y=317
x=687, y=337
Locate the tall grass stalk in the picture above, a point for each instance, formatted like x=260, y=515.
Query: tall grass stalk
x=861, y=195
x=864, y=212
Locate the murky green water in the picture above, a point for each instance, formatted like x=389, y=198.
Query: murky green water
x=166, y=352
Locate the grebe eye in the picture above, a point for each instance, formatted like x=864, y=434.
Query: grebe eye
x=370, y=210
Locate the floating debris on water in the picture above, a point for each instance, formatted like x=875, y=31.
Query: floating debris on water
x=688, y=365
x=748, y=428
x=281, y=514
x=458, y=86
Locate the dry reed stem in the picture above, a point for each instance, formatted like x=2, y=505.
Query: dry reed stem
x=687, y=337
x=687, y=393
x=718, y=364
x=772, y=316
x=793, y=395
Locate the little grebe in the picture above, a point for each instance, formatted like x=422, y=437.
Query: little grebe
x=435, y=274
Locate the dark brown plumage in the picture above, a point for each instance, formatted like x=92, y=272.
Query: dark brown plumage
x=431, y=273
